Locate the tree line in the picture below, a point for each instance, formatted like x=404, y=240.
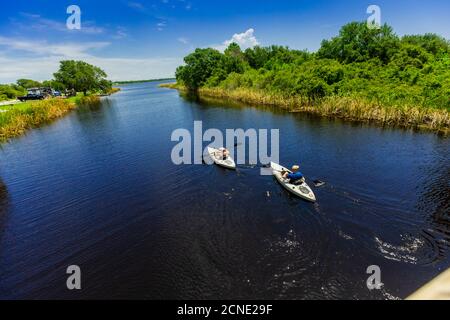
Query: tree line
x=72, y=75
x=360, y=62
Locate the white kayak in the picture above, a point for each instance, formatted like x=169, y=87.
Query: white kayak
x=302, y=190
x=216, y=155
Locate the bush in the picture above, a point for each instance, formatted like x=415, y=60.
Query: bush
x=374, y=65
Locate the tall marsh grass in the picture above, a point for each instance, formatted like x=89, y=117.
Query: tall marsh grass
x=16, y=120
x=348, y=108
x=89, y=100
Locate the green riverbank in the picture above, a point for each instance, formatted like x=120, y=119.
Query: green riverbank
x=362, y=74
x=16, y=119
x=436, y=120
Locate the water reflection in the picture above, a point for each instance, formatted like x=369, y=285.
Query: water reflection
x=91, y=109
x=3, y=205
x=94, y=117
x=3, y=193
x=434, y=200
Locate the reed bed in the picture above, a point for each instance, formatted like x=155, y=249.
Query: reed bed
x=347, y=108
x=113, y=90
x=18, y=119
x=89, y=100
x=171, y=86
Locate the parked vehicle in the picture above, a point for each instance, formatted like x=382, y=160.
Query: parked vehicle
x=36, y=94
x=40, y=94
x=70, y=93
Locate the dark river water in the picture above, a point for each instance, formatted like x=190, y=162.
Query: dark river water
x=98, y=189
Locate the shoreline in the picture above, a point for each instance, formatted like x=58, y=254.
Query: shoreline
x=19, y=118
x=349, y=109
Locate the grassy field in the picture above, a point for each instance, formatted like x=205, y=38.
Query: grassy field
x=348, y=108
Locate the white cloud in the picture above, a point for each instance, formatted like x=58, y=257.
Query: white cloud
x=136, y=69
x=183, y=40
x=39, y=23
x=137, y=6
x=121, y=33
x=46, y=57
x=44, y=48
x=244, y=40
x=161, y=25
x=116, y=68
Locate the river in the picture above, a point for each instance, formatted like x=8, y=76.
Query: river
x=98, y=189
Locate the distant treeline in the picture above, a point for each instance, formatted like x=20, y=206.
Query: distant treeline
x=142, y=81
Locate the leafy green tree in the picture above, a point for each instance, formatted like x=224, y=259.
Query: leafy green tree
x=81, y=76
x=432, y=43
x=234, y=50
x=274, y=56
x=356, y=43
x=233, y=60
x=8, y=92
x=105, y=85
x=28, y=83
x=54, y=85
x=200, y=65
x=411, y=55
x=256, y=57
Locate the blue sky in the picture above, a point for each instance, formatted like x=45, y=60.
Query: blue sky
x=147, y=39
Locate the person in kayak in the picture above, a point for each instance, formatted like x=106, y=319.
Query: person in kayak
x=295, y=177
x=225, y=153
